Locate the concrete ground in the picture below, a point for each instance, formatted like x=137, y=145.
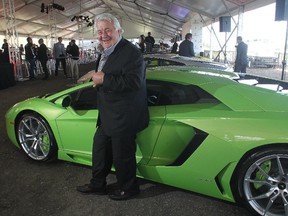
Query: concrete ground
x=29, y=188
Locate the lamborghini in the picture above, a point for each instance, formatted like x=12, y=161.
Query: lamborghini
x=208, y=133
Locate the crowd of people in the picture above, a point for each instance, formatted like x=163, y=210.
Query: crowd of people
x=70, y=54
x=146, y=44
x=33, y=53
x=186, y=47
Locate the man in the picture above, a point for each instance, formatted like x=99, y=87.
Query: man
x=174, y=47
x=149, y=40
x=43, y=57
x=30, y=56
x=123, y=111
x=5, y=54
x=241, y=56
x=74, y=52
x=59, y=54
x=186, y=48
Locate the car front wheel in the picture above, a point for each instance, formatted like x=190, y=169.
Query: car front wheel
x=263, y=182
x=35, y=137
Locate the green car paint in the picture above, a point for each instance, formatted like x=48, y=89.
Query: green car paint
x=243, y=119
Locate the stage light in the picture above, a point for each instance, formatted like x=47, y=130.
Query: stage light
x=42, y=8
x=90, y=23
x=58, y=7
x=50, y=7
x=81, y=19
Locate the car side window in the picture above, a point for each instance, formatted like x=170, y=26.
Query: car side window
x=161, y=93
x=85, y=99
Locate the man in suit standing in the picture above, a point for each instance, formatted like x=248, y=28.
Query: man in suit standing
x=59, y=54
x=6, y=55
x=186, y=47
x=74, y=52
x=43, y=57
x=241, y=56
x=149, y=41
x=30, y=56
x=123, y=112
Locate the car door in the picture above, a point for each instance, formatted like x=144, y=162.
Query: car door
x=77, y=126
x=178, y=136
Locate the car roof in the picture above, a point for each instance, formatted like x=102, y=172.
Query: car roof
x=237, y=96
x=190, y=75
x=190, y=61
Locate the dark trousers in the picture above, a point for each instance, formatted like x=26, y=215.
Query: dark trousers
x=32, y=63
x=63, y=62
x=119, y=151
x=44, y=67
x=148, y=47
x=240, y=68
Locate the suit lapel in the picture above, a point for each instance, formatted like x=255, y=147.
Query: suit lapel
x=114, y=54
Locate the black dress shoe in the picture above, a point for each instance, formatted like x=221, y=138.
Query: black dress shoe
x=123, y=195
x=89, y=189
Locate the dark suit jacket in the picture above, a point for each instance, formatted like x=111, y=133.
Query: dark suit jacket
x=74, y=52
x=241, y=58
x=122, y=99
x=28, y=51
x=186, y=48
x=42, y=53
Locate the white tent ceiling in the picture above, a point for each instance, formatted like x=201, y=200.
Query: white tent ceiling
x=162, y=17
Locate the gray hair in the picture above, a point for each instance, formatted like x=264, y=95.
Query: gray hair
x=110, y=18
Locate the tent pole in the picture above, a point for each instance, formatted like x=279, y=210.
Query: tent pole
x=284, y=56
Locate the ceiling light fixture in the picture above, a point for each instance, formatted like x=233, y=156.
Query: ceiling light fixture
x=82, y=18
x=47, y=8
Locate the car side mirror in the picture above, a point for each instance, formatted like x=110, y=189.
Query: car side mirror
x=64, y=101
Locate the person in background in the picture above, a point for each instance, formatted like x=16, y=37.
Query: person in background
x=21, y=49
x=241, y=61
x=59, y=54
x=142, y=43
x=30, y=56
x=21, y=52
x=43, y=57
x=73, y=51
x=174, y=47
x=68, y=48
x=162, y=48
x=122, y=110
x=186, y=48
x=5, y=54
x=149, y=41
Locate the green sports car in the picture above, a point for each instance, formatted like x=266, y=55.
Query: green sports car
x=208, y=133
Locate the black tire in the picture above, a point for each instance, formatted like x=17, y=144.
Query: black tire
x=262, y=182
x=35, y=137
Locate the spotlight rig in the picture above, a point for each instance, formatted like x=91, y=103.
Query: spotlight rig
x=82, y=18
x=46, y=8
